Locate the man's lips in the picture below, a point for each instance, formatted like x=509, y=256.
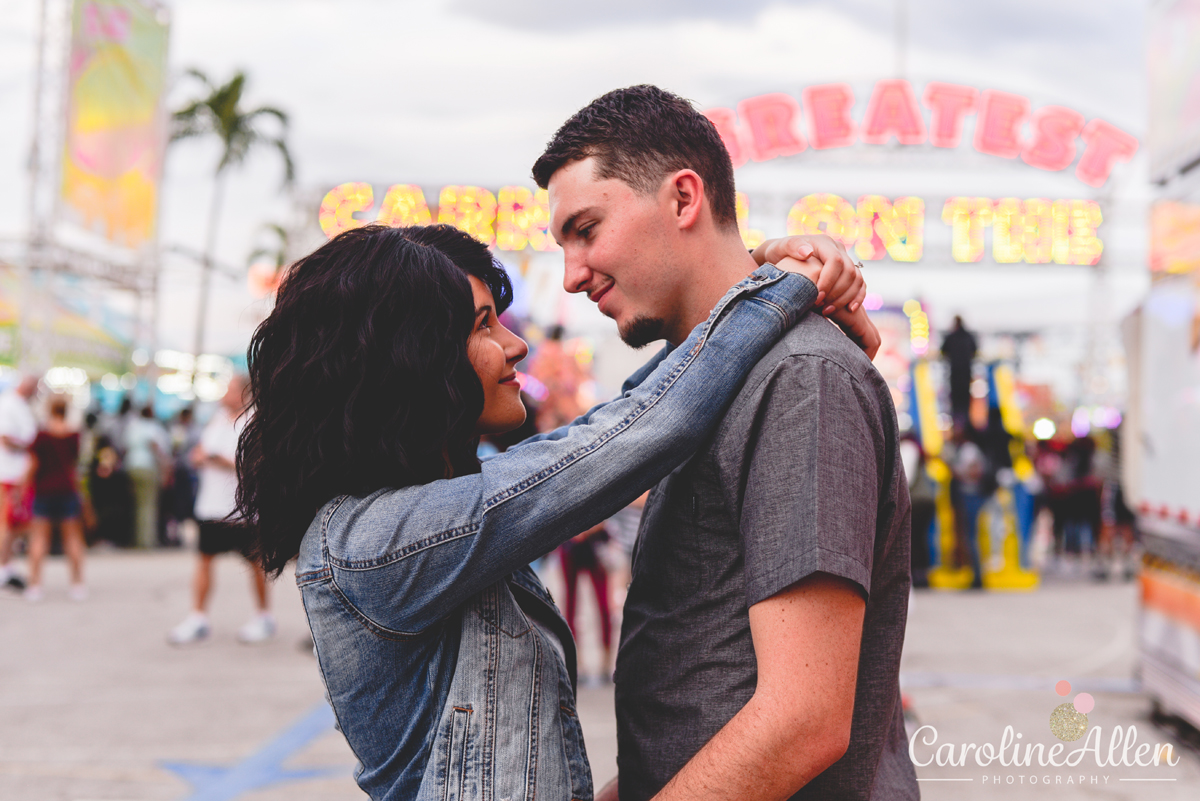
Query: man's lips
x=596, y=295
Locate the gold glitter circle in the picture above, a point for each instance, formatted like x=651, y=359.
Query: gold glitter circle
x=1068, y=724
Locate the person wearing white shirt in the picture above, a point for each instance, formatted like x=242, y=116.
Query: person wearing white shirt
x=17, y=431
x=147, y=455
x=215, y=505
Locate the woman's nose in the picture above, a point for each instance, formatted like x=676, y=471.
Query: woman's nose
x=519, y=350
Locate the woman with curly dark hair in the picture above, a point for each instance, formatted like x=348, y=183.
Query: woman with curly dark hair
x=448, y=666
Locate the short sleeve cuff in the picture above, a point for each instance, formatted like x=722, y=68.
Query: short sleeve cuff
x=777, y=577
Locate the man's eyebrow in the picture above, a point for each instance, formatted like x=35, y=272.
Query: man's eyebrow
x=569, y=225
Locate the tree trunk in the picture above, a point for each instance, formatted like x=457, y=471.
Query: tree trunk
x=206, y=269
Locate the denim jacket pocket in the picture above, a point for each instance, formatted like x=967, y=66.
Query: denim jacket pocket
x=455, y=756
x=499, y=610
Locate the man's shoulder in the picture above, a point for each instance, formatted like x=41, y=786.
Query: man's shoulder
x=811, y=342
x=812, y=361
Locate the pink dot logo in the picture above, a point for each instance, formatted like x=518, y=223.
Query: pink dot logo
x=1068, y=722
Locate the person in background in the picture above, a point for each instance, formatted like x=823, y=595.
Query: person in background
x=923, y=495
x=54, y=458
x=1080, y=506
x=219, y=532
x=147, y=454
x=116, y=424
x=563, y=376
x=1117, y=534
x=185, y=436
x=969, y=492
x=959, y=349
x=17, y=431
x=580, y=554
x=109, y=508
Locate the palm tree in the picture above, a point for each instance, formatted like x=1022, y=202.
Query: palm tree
x=219, y=111
x=275, y=255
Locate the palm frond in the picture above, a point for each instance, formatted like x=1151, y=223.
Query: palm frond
x=200, y=76
x=269, y=111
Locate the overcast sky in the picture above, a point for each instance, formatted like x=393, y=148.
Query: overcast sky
x=468, y=91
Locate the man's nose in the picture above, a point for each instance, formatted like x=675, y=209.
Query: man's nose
x=575, y=273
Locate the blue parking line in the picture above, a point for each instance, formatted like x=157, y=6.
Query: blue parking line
x=263, y=768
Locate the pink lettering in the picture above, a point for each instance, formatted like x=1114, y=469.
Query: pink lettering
x=1053, y=146
x=948, y=104
x=1000, y=119
x=771, y=120
x=892, y=110
x=726, y=123
x=829, y=109
x=1105, y=146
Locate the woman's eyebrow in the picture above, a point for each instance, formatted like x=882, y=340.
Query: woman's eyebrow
x=483, y=310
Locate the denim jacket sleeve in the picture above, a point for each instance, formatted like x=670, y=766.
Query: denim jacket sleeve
x=407, y=558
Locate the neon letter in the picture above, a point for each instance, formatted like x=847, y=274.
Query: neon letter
x=949, y=103
x=899, y=226
x=1074, y=232
x=871, y=208
x=771, y=119
x=1008, y=231
x=968, y=216
x=1053, y=146
x=1106, y=144
x=404, y=204
x=893, y=110
x=469, y=208
x=835, y=213
x=340, y=203
x=1038, y=222
x=726, y=123
x=522, y=218
x=1000, y=118
x=829, y=107
x=751, y=237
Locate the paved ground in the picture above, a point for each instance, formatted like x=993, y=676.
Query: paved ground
x=94, y=705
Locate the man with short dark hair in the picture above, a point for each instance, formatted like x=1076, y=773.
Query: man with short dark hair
x=761, y=641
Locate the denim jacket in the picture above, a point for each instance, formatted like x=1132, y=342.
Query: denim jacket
x=448, y=666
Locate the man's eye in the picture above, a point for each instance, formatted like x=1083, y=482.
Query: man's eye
x=586, y=232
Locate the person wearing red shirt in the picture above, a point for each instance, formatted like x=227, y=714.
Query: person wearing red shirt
x=55, y=454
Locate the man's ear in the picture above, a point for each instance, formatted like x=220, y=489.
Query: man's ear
x=687, y=198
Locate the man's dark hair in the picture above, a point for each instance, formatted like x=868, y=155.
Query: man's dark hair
x=640, y=135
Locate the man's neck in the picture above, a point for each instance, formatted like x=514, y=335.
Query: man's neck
x=715, y=267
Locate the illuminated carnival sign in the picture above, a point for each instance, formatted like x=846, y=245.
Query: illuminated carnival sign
x=512, y=219
x=773, y=125
x=1033, y=230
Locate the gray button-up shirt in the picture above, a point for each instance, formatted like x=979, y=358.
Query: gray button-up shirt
x=802, y=476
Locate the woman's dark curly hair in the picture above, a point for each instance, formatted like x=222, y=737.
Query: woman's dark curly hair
x=360, y=378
